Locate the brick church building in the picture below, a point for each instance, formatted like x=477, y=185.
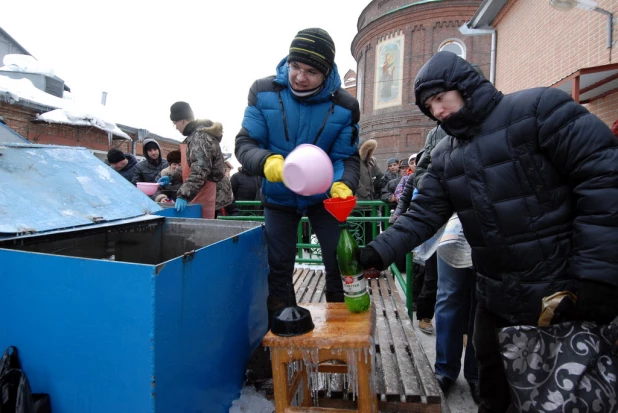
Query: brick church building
x=395, y=38
x=517, y=44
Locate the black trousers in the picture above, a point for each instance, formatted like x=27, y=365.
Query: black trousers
x=418, y=277
x=493, y=387
x=281, y=228
x=425, y=306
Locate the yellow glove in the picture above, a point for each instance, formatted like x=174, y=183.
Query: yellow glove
x=340, y=190
x=273, y=168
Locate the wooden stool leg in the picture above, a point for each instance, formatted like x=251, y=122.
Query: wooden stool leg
x=280, y=380
x=367, y=402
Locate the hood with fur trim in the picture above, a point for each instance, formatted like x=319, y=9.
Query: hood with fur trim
x=204, y=125
x=367, y=148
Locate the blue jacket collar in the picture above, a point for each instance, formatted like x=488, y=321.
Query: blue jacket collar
x=331, y=85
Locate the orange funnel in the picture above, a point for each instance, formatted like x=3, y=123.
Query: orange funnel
x=340, y=208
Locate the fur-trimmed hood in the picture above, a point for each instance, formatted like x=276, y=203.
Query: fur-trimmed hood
x=212, y=128
x=367, y=148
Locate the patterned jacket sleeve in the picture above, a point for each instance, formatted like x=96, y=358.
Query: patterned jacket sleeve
x=403, y=201
x=202, y=153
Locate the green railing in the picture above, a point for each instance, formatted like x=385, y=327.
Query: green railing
x=365, y=223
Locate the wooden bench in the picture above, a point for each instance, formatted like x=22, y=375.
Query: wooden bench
x=405, y=381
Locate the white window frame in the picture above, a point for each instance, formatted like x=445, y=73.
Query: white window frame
x=458, y=42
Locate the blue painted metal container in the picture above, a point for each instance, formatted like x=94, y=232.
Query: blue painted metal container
x=114, y=308
x=191, y=211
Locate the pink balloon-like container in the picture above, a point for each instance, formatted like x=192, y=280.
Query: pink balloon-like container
x=308, y=170
x=149, y=188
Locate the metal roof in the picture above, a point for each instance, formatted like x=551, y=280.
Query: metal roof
x=486, y=13
x=48, y=187
x=590, y=83
x=24, y=51
x=8, y=135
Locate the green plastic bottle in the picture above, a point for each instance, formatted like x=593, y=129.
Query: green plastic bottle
x=352, y=274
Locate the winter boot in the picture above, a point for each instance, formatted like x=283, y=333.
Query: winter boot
x=274, y=304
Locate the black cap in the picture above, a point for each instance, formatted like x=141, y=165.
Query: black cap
x=150, y=145
x=429, y=92
x=314, y=47
x=115, y=155
x=180, y=111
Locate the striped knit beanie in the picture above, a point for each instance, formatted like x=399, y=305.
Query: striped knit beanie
x=315, y=48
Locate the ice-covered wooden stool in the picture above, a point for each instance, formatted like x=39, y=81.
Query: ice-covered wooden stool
x=341, y=342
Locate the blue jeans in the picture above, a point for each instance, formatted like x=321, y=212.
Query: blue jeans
x=455, y=311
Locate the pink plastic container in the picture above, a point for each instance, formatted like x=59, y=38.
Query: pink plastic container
x=308, y=170
x=149, y=188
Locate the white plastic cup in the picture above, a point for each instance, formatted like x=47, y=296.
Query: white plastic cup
x=308, y=170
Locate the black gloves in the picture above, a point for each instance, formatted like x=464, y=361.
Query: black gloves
x=596, y=302
x=369, y=258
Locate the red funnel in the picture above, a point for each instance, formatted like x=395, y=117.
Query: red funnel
x=340, y=208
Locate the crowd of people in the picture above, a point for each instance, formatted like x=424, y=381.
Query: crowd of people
x=525, y=187
x=202, y=178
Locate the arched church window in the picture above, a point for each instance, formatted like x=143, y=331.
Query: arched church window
x=455, y=46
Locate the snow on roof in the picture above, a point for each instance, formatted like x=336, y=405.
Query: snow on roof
x=25, y=63
x=82, y=118
x=68, y=111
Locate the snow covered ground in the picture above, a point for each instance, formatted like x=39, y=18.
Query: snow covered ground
x=251, y=401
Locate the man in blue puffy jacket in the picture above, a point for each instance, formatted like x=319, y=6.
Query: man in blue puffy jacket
x=302, y=104
x=533, y=177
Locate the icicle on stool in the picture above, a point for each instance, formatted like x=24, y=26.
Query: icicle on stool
x=338, y=335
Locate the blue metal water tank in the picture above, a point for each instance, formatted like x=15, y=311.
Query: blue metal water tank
x=114, y=308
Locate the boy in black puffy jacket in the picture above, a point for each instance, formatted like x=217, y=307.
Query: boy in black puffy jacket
x=533, y=177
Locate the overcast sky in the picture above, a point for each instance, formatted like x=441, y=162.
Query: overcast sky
x=148, y=56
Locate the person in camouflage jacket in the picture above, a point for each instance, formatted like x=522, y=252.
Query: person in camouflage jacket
x=203, y=154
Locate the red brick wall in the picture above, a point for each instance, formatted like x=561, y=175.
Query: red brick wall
x=23, y=121
x=606, y=109
x=538, y=45
x=401, y=130
x=351, y=90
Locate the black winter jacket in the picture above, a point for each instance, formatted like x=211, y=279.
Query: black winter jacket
x=533, y=177
x=246, y=187
x=424, y=159
x=148, y=169
x=129, y=168
x=388, y=191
